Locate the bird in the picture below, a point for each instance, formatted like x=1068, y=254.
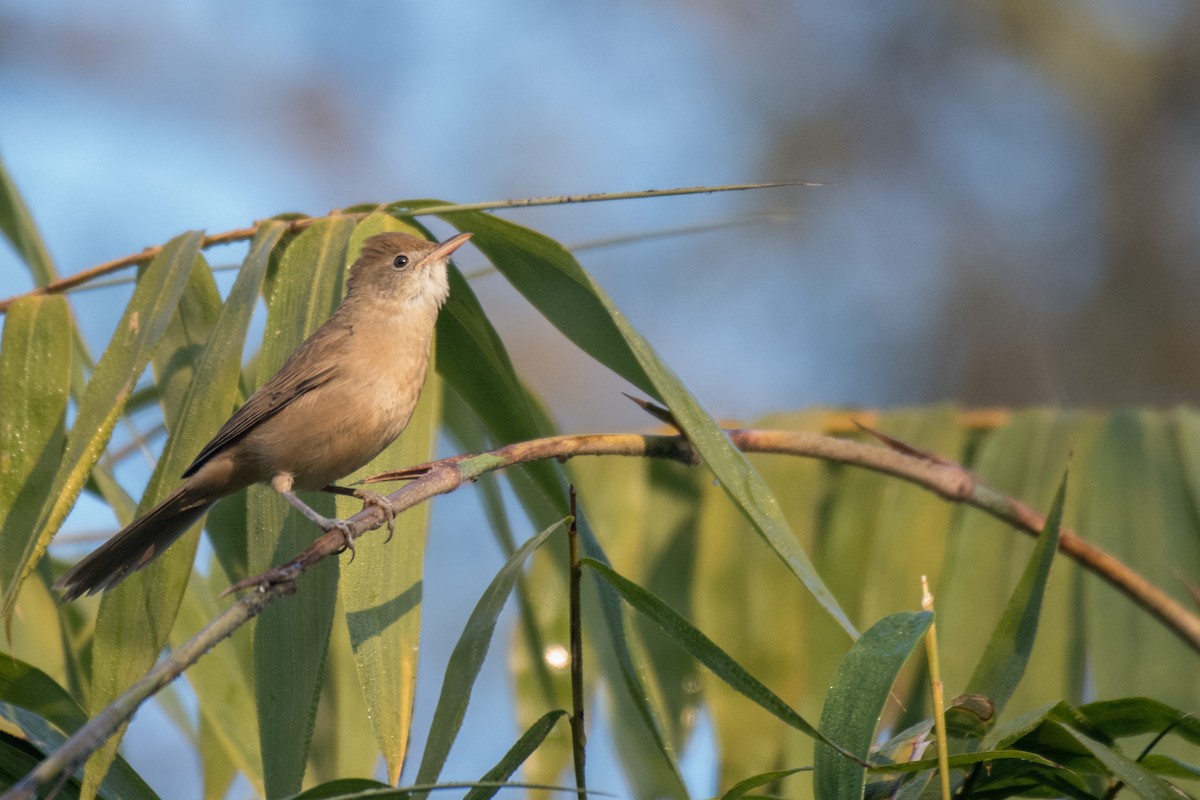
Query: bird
x=339, y=399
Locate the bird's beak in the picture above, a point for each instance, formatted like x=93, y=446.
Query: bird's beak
x=447, y=247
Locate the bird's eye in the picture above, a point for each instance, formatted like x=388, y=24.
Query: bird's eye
x=400, y=261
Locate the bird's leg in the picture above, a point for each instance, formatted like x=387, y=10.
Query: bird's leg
x=369, y=498
x=282, y=483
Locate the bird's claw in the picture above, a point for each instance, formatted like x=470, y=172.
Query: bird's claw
x=370, y=498
x=347, y=535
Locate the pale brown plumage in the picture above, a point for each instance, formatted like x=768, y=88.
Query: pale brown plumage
x=343, y=396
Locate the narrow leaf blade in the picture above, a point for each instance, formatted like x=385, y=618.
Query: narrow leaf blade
x=550, y=278
x=702, y=648
x=1136, y=505
x=145, y=318
x=35, y=381
x=1003, y=663
x=474, y=362
x=29, y=699
x=618, y=663
x=1140, y=782
x=381, y=587
x=857, y=698
x=16, y=223
x=130, y=632
x=516, y=755
x=290, y=639
x=467, y=658
x=223, y=684
x=739, y=789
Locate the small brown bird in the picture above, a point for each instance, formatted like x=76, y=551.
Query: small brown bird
x=343, y=396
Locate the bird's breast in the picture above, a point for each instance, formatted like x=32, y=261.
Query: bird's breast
x=338, y=427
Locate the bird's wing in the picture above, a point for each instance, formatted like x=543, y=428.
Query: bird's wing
x=294, y=380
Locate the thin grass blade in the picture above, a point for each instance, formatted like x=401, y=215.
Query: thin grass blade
x=467, y=659
x=149, y=311
x=702, y=648
x=550, y=278
x=381, y=587
x=857, y=698
x=35, y=383
x=290, y=639
x=618, y=663
x=517, y=755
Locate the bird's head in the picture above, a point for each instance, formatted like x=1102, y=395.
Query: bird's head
x=398, y=267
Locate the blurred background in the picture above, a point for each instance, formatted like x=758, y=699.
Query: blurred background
x=1010, y=212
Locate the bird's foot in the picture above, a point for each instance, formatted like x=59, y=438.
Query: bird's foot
x=331, y=524
x=347, y=534
x=325, y=523
x=370, y=498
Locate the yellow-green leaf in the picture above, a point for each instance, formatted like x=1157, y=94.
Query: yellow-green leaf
x=381, y=586
x=35, y=378
x=549, y=277
x=290, y=639
x=150, y=309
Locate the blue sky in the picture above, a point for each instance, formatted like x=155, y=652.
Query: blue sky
x=951, y=157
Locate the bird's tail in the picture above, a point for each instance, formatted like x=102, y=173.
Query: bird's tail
x=135, y=546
